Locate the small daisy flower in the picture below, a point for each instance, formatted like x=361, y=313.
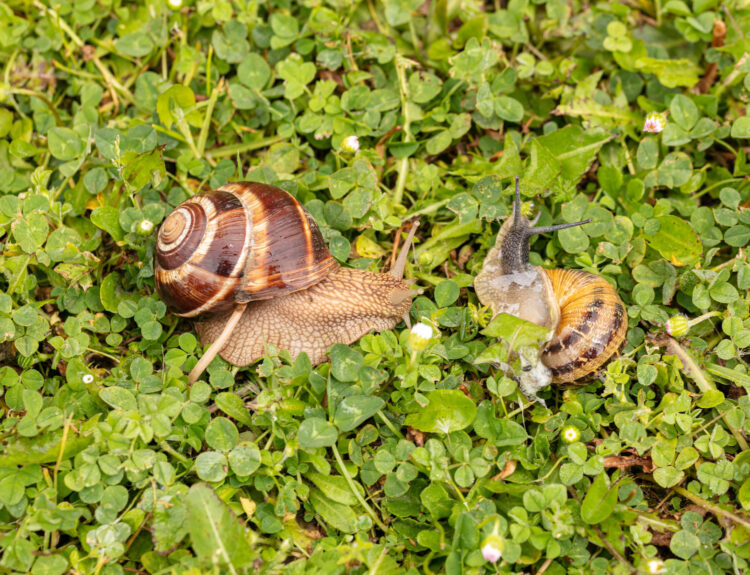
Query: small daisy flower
x=492, y=548
x=570, y=434
x=655, y=123
x=88, y=378
x=655, y=567
x=420, y=336
x=145, y=227
x=350, y=145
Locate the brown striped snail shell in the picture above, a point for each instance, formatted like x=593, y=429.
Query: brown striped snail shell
x=583, y=310
x=254, y=258
x=239, y=243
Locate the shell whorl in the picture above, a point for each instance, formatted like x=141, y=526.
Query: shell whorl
x=199, y=253
x=239, y=243
x=592, y=327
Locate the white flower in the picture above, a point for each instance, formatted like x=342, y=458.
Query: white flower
x=571, y=434
x=655, y=567
x=88, y=378
x=655, y=123
x=176, y=4
x=422, y=330
x=145, y=227
x=350, y=145
x=420, y=336
x=492, y=548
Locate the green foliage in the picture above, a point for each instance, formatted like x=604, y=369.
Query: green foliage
x=385, y=459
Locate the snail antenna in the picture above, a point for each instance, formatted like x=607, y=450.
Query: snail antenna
x=218, y=344
x=517, y=206
x=531, y=231
x=398, y=269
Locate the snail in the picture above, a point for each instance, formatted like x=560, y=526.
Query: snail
x=251, y=256
x=583, y=311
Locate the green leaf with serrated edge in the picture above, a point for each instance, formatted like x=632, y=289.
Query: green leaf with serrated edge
x=221, y=434
x=119, y=398
x=215, y=532
x=64, y=143
x=668, y=476
x=143, y=169
x=345, y=362
x=684, y=544
x=336, y=488
x=107, y=218
x=518, y=332
x=43, y=449
x=316, y=432
x=170, y=525
x=233, y=406
x=174, y=103
x=574, y=148
x=244, y=459
x=743, y=494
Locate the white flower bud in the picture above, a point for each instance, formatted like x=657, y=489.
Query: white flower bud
x=350, y=145
x=492, y=548
x=145, y=227
x=654, y=123
x=677, y=326
x=655, y=567
x=570, y=434
x=420, y=336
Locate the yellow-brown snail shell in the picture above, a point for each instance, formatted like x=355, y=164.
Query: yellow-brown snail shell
x=583, y=310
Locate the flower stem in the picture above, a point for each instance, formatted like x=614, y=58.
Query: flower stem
x=715, y=509
x=232, y=149
x=674, y=348
x=403, y=165
x=354, y=490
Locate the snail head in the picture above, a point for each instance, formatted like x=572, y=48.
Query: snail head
x=515, y=233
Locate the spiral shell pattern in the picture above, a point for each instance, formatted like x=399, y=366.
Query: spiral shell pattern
x=592, y=326
x=239, y=243
x=199, y=253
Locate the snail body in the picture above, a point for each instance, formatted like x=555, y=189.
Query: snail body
x=302, y=320
x=584, y=312
x=253, y=258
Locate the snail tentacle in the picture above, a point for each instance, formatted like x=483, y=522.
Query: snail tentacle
x=400, y=265
x=218, y=344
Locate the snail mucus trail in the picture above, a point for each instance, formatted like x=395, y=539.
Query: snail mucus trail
x=586, y=317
